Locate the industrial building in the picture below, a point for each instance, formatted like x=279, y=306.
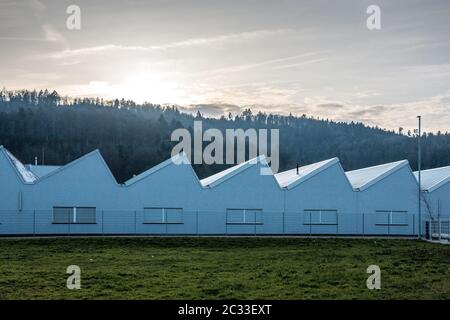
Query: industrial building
x=83, y=197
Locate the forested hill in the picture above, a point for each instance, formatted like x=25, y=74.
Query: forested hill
x=133, y=138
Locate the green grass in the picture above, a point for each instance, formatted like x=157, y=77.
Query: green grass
x=222, y=268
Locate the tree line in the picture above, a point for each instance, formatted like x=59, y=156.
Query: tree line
x=134, y=137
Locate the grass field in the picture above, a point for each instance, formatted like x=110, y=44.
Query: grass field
x=222, y=268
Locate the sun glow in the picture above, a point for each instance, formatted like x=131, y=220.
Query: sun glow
x=151, y=88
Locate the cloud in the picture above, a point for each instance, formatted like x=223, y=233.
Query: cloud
x=50, y=34
x=22, y=39
x=330, y=106
x=94, y=50
x=264, y=94
x=243, y=36
x=31, y=20
x=428, y=70
x=243, y=67
x=300, y=64
x=434, y=110
x=369, y=111
x=37, y=8
x=367, y=94
x=212, y=110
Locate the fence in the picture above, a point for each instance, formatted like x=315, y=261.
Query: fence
x=438, y=229
x=179, y=222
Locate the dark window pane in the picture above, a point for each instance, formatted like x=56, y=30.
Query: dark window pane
x=173, y=215
x=85, y=215
x=63, y=215
x=153, y=215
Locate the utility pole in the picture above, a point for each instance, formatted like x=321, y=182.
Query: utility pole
x=419, y=164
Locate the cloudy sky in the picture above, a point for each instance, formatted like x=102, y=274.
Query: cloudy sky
x=316, y=57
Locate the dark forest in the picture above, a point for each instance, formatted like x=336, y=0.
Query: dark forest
x=134, y=137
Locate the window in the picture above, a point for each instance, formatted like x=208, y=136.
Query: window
x=244, y=216
x=153, y=215
x=84, y=215
x=392, y=217
x=173, y=215
x=62, y=215
x=74, y=215
x=320, y=217
x=163, y=215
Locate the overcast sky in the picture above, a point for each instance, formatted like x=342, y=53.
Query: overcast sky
x=315, y=57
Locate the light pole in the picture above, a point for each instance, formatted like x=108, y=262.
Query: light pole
x=419, y=165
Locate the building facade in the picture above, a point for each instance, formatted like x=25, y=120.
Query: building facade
x=83, y=197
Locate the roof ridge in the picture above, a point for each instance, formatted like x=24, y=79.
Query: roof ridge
x=381, y=165
x=74, y=162
x=433, y=169
x=396, y=165
x=25, y=175
x=321, y=165
x=182, y=155
x=230, y=172
x=429, y=181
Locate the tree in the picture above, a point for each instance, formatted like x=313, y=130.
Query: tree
x=31, y=120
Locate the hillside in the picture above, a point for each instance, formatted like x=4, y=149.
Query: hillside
x=134, y=137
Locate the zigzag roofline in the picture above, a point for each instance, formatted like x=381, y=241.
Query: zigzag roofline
x=212, y=181
x=289, y=179
x=384, y=171
x=76, y=161
x=220, y=177
x=25, y=175
x=37, y=179
x=180, y=158
x=444, y=180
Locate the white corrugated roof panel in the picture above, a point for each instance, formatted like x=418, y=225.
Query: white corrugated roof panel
x=41, y=170
x=27, y=176
x=433, y=178
x=228, y=173
x=362, y=178
x=179, y=158
x=290, y=177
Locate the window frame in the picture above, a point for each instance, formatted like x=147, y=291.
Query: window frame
x=163, y=215
x=244, y=215
x=390, y=220
x=320, y=223
x=74, y=214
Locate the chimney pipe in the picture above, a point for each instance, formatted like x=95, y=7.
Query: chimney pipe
x=35, y=161
x=297, y=168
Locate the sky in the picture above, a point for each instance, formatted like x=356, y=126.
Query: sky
x=312, y=57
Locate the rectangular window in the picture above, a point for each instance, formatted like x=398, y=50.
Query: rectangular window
x=62, y=215
x=153, y=215
x=392, y=217
x=163, y=215
x=320, y=217
x=74, y=215
x=174, y=215
x=244, y=216
x=85, y=215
